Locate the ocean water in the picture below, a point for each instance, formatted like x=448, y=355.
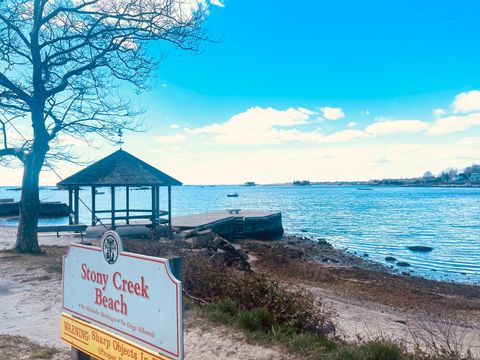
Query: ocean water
x=381, y=222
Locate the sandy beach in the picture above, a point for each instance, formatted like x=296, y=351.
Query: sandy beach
x=30, y=293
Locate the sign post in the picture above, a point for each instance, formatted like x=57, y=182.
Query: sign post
x=119, y=305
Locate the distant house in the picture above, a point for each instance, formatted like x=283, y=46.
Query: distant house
x=460, y=178
x=474, y=177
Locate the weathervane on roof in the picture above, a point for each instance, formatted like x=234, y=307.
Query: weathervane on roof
x=120, y=141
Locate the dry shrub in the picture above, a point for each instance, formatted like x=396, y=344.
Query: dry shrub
x=295, y=307
x=441, y=336
x=155, y=248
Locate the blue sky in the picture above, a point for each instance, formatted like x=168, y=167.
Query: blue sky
x=319, y=90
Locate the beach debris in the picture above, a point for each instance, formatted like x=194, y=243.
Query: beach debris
x=390, y=259
x=403, y=264
x=419, y=248
x=221, y=251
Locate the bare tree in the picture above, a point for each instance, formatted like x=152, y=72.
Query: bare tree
x=61, y=63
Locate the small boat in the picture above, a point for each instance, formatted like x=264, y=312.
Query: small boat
x=364, y=189
x=99, y=192
x=232, y=195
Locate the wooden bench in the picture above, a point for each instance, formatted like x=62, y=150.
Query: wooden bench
x=63, y=228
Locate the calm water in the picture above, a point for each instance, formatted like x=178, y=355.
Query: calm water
x=381, y=222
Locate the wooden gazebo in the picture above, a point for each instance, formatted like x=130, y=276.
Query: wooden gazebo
x=120, y=169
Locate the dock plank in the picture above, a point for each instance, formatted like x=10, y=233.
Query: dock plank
x=205, y=219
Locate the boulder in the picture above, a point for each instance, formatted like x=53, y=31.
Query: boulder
x=419, y=248
x=403, y=264
x=390, y=259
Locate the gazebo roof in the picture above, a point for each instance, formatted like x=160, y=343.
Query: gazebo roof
x=119, y=169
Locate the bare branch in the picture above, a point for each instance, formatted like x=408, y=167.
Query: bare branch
x=18, y=153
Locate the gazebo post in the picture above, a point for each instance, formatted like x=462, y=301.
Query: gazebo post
x=154, y=210
x=112, y=193
x=70, y=205
x=170, y=208
x=157, y=198
x=76, y=198
x=127, y=202
x=94, y=190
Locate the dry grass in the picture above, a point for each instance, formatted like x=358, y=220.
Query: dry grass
x=21, y=348
x=440, y=334
x=403, y=292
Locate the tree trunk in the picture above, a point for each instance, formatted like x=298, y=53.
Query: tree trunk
x=27, y=240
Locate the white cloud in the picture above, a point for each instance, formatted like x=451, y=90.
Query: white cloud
x=332, y=113
x=388, y=127
x=344, y=136
x=439, y=112
x=169, y=139
x=352, y=124
x=260, y=126
x=469, y=141
x=217, y=3
x=326, y=163
x=467, y=102
x=452, y=124
x=174, y=126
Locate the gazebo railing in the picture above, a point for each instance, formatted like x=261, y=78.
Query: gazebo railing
x=147, y=215
x=154, y=213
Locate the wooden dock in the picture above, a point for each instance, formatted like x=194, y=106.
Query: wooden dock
x=227, y=223
x=234, y=223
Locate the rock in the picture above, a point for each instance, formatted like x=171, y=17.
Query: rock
x=390, y=258
x=222, y=259
x=199, y=242
x=303, y=230
x=187, y=234
x=243, y=255
x=403, y=264
x=419, y=248
x=324, y=242
x=365, y=255
x=216, y=241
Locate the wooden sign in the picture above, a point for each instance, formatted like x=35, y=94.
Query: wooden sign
x=130, y=299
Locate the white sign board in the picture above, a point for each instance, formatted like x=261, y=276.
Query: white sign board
x=132, y=295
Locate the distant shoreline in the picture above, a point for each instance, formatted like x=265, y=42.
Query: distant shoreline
x=359, y=184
